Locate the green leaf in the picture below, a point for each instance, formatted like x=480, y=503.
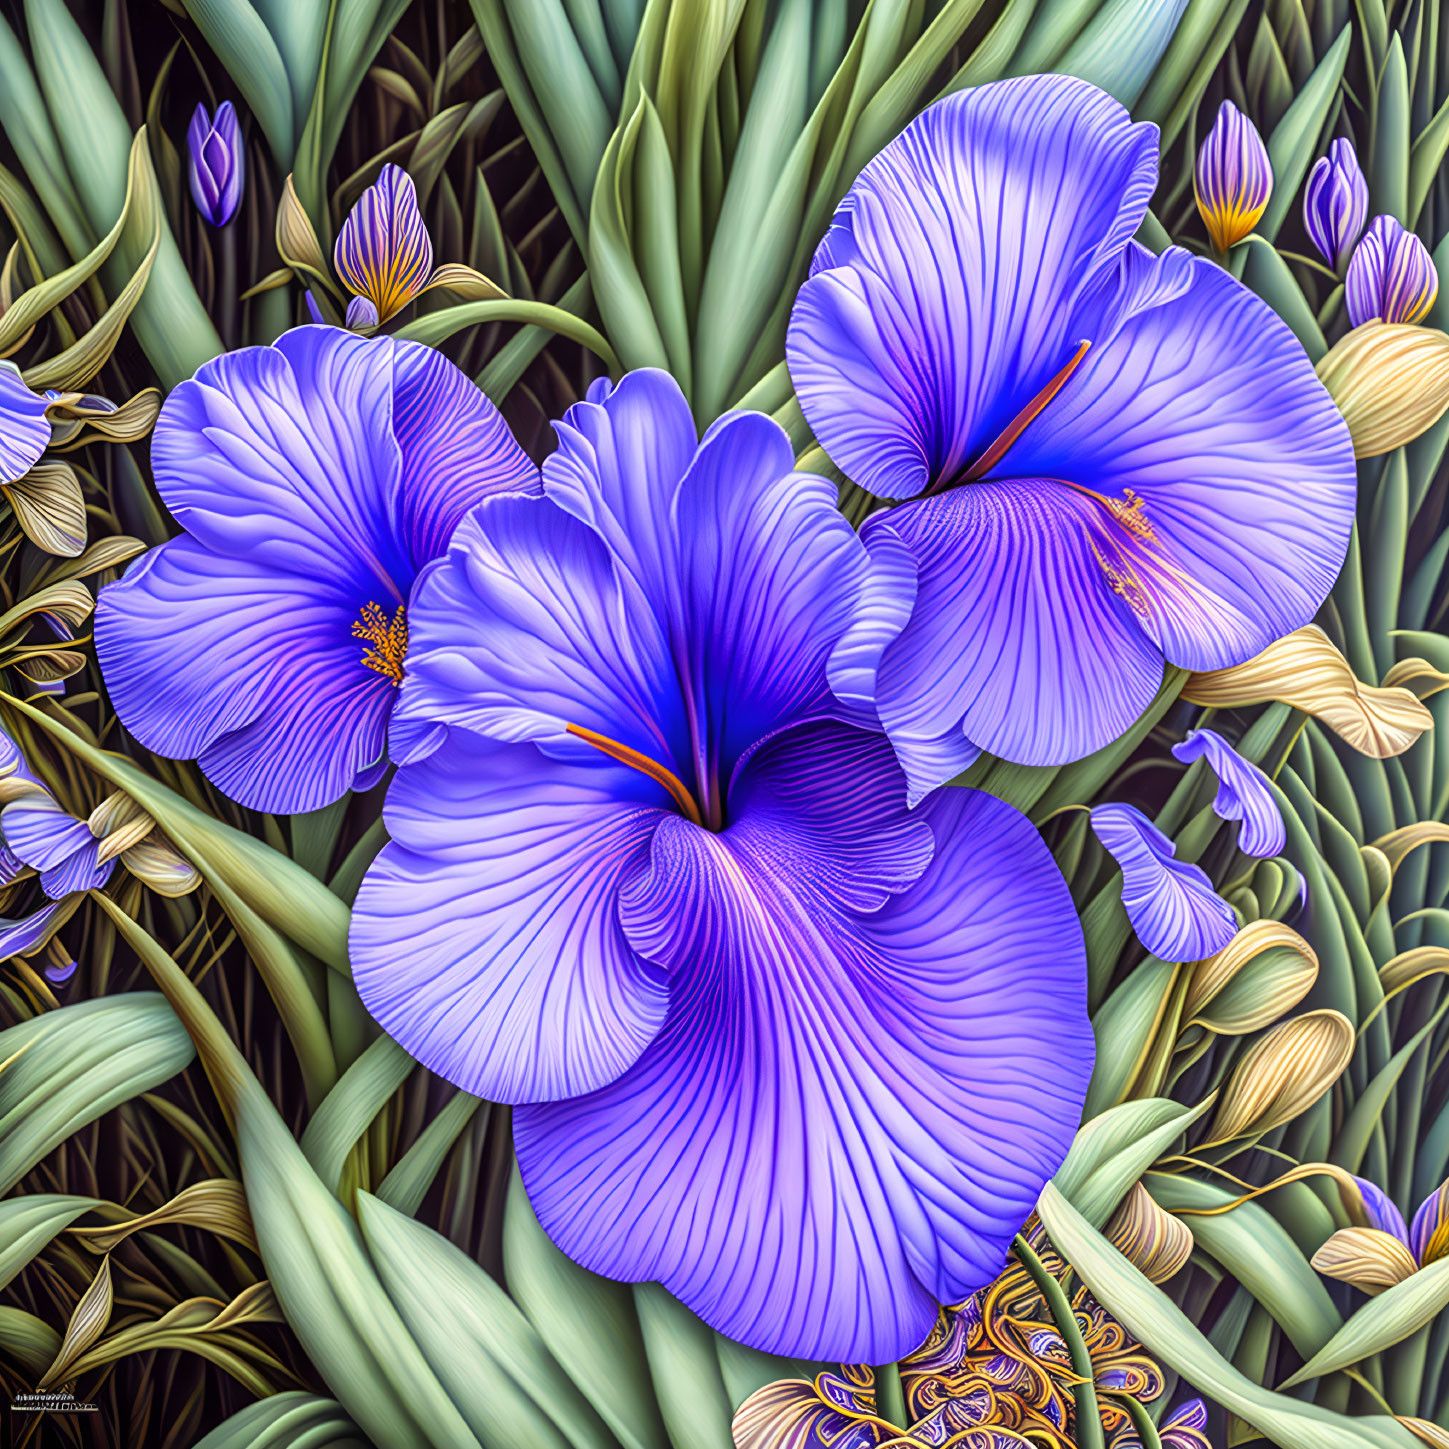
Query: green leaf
x=1270, y=277
x=1125, y=1026
x=405, y=1187
x=1151, y=1317
x=28, y=1340
x=488, y=1356
x=685, y=1368
x=1382, y=1322
x=1122, y=44
x=1389, y=168
x=293, y=1420
x=347, y=1110
x=27, y=1224
x=64, y=1068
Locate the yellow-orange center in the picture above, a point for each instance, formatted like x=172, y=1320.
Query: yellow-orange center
x=388, y=640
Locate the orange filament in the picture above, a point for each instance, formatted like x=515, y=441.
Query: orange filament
x=631, y=757
x=389, y=641
x=1014, y=429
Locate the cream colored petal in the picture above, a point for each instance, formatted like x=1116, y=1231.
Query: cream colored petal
x=1366, y=1257
x=156, y=863
x=1390, y=381
x=1262, y=973
x=50, y=508
x=119, y=824
x=1432, y=1434
x=1403, y=674
x=1151, y=1238
x=1306, y=669
x=471, y=285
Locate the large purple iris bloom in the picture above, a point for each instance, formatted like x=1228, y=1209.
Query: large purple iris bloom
x=1113, y=459
x=314, y=478
x=797, y=1052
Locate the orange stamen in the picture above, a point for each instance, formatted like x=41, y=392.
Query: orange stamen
x=636, y=761
x=389, y=640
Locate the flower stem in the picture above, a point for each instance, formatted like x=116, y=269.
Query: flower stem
x=436, y=327
x=890, y=1399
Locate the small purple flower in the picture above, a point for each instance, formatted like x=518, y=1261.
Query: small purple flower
x=1090, y=441
x=1335, y=203
x=383, y=252
x=215, y=164
x=1233, y=178
x=314, y=479
x=24, y=427
x=1171, y=903
x=1243, y=792
x=1391, y=277
x=801, y=1054
x=1427, y=1237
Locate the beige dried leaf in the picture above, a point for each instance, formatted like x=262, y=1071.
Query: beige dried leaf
x=1306, y=669
x=118, y=823
x=87, y=1323
x=1282, y=1074
x=1390, y=381
x=50, y=508
x=1366, y=1257
x=1398, y=843
x=1433, y=1435
x=1406, y=671
x=157, y=864
x=297, y=243
x=1150, y=1237
x=471, y=285
x=217, y=1205
x=1262, y=973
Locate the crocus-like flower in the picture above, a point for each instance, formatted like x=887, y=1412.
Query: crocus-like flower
x=1113, y=459
x=800, y=1054
x=1382, y=1249
x=1233, y=178
x=215, y=165
x=1391, y=277
x=1335, y=203
x=314, y=478
x=383, y=252
x=1171, y=903
x=1243, y=792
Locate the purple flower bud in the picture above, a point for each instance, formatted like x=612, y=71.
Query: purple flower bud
x=383, y=252
x=1233, y=178
x=214, y=163
x=1391, y=276
x=1335, y=203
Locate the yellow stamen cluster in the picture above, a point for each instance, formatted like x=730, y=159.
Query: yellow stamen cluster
x=389, y=640
x=1129, y=513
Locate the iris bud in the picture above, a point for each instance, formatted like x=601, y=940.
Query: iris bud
x=1233, y=178
x=383, y=254
x=1335, y=203
x=214, y=163
x=1391, y=277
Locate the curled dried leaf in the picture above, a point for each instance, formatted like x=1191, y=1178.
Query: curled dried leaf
x=1390, y=381
x=156, y=863
x=297, y=243
x=1262, y=973
x=217, y=1205
x=1306, y=670
x=1149, y=1237
x=87, y=1323
x=118, y=823
x=1407, y=672
x=50, y=508
x=1432, y=1434
x=1369, y=1258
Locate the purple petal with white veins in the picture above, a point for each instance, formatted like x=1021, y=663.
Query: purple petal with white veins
x=1243, y=792
x=486, y=938
x=1171, y=903
x=1391, y=276
x=77, y=872
x=942, y=298
x=24, y=428
x=41, y=833
x=847, y=1115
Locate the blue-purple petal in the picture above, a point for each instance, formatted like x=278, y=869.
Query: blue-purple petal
x=1380, y=1212
x=24, y=428
x=1429, y=1232
x=1244, y=793
x=1171, y=903
x=1391, y=276
x=1335, y=203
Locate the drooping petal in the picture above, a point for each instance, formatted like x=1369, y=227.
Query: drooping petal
x=24, y=428
x=1017, y=641
x=846, y=1116
x=942, y=298
x=383, y=251
x=1171, y=903
x=254, y=671
x=24, y=934
x=1243, y=792
x=486, y=938
x=1224, y=475
x=80, y=871
x=1429, y=1232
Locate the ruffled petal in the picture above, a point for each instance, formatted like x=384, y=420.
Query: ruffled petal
x=24, y=428
x=456, y=449
x=80, y=871
x=254, y=671
x=1018, y=639
x=486, y=939
x=40, y=832
x=846, y=1116
x=1243, y=792
x=942, y=297
x=1223, y=473
x=1171, y=903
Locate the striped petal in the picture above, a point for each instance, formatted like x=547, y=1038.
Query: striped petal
x=383, y=251
x=24, y=428
x=1243, y=792
x=1429, y=1232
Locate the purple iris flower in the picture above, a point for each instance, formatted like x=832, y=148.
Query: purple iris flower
x=1233, y=178
x=1391, y=277
x=1171, y=903
x=215, y=165
x=1427, y=1237
x=797, y=1052
x=1113, y=459
x=314, y=479
x=1335, y=203
x=24, y=427
x=1243, y=792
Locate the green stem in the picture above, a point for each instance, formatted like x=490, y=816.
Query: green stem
x=890, y=1398
x=1141, y=1421
x=436, y=327
x=1088, y=1420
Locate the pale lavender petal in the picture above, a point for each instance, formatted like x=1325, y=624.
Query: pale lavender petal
x=1380, y=1211
x=1171, y=903
x=486, y=938
x=943, y=296
x=1335, y=203
x=846, y=1116
x=1243, y=792
x=21, y=936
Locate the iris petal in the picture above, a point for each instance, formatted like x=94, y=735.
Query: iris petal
x=1171, y=903
x=1380, y=1210
x=1243, y=792
x=383, y=251
x=846, y=1116
x=1429, y=1232
x=24, y=428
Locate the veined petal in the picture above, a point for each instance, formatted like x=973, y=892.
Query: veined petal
x=1186, y=1427
x=1380, y=1212
x=21, y=936
x=486, y=939
x=383, y=251
x=1429, y=1232
x=1243, y=792
x=846, y=1116
x=942, y=297
x=24, y=428
x=1171, y=903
